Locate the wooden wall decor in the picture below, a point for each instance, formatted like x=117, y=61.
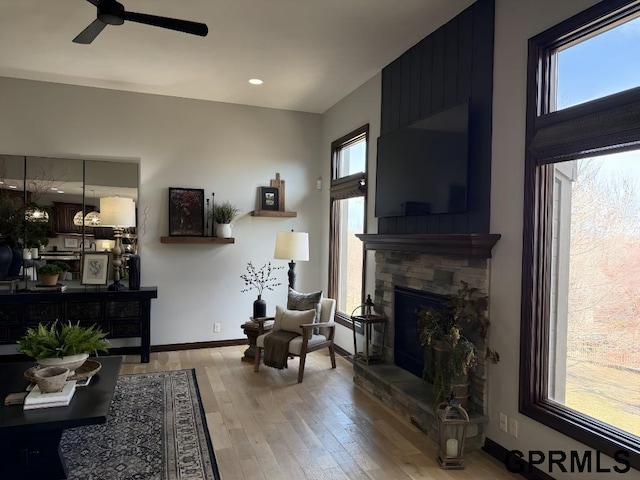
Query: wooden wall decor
x=279, y=184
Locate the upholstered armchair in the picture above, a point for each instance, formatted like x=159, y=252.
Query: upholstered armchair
x=310, y=336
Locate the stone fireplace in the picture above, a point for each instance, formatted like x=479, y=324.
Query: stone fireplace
x=413, y=271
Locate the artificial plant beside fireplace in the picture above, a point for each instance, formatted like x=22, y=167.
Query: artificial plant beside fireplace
x=453, y=338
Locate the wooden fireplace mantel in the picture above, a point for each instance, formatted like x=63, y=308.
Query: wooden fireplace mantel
x=468, y=245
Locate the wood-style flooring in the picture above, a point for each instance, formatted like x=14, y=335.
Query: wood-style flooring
x=265, y=425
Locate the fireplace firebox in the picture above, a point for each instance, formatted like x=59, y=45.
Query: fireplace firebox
x=408, y=353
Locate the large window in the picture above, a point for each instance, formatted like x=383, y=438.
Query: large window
x=580, y=366
x=348, y=218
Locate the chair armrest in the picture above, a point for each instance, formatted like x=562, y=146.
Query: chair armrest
x=262, y=319
x=318, y=325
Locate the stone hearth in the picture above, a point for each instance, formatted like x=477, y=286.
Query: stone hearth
x=424, y=263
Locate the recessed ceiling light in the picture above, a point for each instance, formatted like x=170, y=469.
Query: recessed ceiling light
x=60, y=191
x=13, y=186
x=54, y=188
x=255, y=81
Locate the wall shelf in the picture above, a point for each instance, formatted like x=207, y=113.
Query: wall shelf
x=196, y=240
x=273, y=213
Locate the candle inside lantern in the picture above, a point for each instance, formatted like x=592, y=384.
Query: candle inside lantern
x=452, y=447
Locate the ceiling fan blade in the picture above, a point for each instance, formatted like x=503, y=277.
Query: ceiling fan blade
x=89, y=34
x=185, y=26
x=94, y=2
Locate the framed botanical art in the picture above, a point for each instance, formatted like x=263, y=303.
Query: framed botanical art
x=186, y=212
x=95, y=268
x=269, y=198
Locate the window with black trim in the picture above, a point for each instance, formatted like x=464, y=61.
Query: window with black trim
x=348, y=218
x=581, y=253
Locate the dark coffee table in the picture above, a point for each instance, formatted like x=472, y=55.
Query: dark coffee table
x=30, y=440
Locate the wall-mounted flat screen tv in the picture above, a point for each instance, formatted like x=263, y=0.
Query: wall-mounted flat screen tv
x=422, y=168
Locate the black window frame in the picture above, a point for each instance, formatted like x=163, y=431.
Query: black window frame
x=605, y=125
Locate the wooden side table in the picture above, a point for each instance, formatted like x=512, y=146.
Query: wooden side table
x=252, y=329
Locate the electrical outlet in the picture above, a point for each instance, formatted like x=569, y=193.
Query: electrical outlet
x=503, y=422
x=216, y=328
x=513, y=427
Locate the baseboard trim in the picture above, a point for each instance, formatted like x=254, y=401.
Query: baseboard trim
x=342, y=352
x=166, y=348
x=196, y=345
x=503, y=455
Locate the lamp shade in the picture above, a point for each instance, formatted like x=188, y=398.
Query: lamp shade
x=117, y=212
x=292, y=246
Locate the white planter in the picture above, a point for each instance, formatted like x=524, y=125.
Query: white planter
x=223, y=230
x=70, y=361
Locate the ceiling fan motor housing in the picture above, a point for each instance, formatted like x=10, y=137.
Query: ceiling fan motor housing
x=111, y=13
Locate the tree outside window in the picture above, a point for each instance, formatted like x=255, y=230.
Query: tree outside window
x=580, y=366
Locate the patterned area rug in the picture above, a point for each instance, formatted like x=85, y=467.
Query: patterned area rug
x=155, y=430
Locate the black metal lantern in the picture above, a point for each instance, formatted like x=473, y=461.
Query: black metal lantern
x=365, y=323
x=452, y=433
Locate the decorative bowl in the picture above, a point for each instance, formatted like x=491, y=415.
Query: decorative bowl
x=70, y=361
x=51, y=379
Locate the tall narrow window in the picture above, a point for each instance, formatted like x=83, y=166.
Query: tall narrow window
x=348, y=218
x=581, y=277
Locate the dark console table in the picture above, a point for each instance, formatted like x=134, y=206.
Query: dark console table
x=123, y=314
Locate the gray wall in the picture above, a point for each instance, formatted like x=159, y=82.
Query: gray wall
x=228, y=149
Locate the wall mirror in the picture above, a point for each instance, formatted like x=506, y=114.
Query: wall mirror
x=49, y=207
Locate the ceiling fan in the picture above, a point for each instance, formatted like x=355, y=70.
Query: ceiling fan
x=111, y=12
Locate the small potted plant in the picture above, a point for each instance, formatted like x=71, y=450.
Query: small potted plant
x=223, y=214
x=48, y=274
x=64, y=345
x=64, y=268
x=451, y=337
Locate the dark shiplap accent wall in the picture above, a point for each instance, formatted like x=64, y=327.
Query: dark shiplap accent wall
x=453, y=64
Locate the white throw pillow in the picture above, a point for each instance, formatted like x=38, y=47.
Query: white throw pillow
x=290, y=320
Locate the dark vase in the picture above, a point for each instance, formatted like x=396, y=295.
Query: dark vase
x=134, y=272
x=5, y=260
x=259, y=308
x=16, y=263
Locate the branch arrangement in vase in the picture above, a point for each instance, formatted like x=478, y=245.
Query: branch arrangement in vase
x=260, y=279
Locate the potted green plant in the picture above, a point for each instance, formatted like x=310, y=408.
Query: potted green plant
x=48, y=274
x=223, y=214
x=65, y=345
x=453, y=338
x=64, y=268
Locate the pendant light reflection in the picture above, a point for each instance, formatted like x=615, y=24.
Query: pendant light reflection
x=91, y=219
x=35, y=214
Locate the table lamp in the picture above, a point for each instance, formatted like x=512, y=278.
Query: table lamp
x=292, y=246
x=119, y=213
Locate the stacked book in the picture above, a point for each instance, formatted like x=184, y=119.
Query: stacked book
x=37, y=399
x=59, y=287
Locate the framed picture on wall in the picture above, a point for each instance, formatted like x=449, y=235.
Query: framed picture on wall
x=71, y=243
x=95, y=268
x=186, y=212
x=269, y=198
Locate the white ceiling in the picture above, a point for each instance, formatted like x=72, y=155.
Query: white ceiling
x=310, y=53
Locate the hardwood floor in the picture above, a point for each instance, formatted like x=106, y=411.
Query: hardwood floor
x=267, y=426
